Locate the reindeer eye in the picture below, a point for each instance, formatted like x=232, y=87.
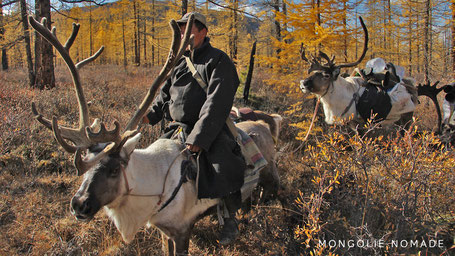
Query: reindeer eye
x=326, y=75
x=114, y=172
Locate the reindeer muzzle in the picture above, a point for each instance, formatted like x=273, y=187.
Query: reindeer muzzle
x=306, y=85
x=83, y=209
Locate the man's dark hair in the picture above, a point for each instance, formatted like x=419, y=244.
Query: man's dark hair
x=199, y=25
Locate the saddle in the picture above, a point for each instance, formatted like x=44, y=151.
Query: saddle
x=243, y=114
x=385, y=79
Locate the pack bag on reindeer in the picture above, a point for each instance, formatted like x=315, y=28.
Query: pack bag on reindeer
x=135, y=186
x=383, y=90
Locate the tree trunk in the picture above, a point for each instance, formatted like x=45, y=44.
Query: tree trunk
x=384, y=35
x=418, y=44
x=125, y=61
x=233, y=38
x=90, y=28
x=355, y=38
x=153, y=33
x=426, y=54
x=345, y=33
x=249, y=76
x=453, y=39
x=144, y=32
x=44, y=56
x=389, y=31
x=285, y=12
x=28, y=50
x=2, y=32
x=410, y=46
x=276, y=6
x=137, y=57
x=184, y=7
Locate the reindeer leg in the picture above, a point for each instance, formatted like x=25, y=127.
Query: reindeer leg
x=182, y=243
x=167, y=245
x=269, y=181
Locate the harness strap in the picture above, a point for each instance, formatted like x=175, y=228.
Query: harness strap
x=196, y=74
x=128, y=189
x=355, y=98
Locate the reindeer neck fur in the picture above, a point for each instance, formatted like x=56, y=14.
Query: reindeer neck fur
x=146, y=173
x=339, y=96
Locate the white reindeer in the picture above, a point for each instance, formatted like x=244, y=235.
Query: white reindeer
x=339, y=95
x=136, y=187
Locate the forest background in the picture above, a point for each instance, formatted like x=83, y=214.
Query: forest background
x=334, y=186
x=417, y=35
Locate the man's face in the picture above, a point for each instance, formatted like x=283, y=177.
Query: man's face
x=198, y=35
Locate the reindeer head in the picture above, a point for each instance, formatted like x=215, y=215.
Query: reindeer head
x=102, y=155
x=321, y=75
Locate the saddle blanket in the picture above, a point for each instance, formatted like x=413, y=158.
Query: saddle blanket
x=255, y=162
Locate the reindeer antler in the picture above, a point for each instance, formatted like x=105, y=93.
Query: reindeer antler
x=432, y=92
x=175, y=53
x=365, y=48
x=314, y=62
x=316, y=65
x=83, y=137
x=77, y=136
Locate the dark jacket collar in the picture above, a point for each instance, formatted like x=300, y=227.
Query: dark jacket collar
x=196, y=53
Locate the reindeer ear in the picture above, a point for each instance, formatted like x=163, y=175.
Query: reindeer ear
x=336, y=72
x=129, y=146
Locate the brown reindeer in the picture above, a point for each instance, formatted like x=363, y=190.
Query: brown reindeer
x=247, y=114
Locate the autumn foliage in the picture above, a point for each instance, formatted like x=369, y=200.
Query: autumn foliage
x=338, y=185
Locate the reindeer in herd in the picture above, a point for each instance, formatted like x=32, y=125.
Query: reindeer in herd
x=132, y=184
x=341, y=97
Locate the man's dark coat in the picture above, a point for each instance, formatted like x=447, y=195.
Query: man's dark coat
x=204, y=115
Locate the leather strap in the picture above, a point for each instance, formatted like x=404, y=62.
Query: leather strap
x=196, y=74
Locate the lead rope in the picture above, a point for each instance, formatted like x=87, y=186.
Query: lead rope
x=312, y=119
x=315, y=113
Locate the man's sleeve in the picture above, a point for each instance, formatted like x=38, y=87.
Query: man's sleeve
x=221, y=90
x=156, y=112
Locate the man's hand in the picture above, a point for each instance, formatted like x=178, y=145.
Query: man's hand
x=193, y=148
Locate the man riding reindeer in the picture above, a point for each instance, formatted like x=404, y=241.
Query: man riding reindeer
x=201, y=114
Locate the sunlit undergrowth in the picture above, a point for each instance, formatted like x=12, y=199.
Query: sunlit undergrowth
x=375, y=191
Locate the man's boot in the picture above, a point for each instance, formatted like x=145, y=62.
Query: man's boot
x=230, y=230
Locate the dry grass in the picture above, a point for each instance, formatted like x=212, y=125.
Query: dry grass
x=37, y=180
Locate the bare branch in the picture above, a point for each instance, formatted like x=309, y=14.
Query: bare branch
x=64, y=15
x=8, y=3
x=236, y=10
x=100, y=3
